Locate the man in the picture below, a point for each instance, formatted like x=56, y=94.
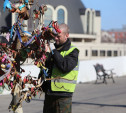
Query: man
x=63, y=70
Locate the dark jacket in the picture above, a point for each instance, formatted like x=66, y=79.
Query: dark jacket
x=65, y=64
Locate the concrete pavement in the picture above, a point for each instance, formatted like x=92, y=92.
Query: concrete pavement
x=88, y=98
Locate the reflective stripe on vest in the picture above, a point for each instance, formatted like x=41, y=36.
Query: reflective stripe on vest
x=64, y=81
x=67, y=81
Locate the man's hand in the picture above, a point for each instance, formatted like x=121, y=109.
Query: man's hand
x=52, y=46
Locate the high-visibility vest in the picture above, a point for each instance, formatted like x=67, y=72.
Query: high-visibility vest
x=65, y=82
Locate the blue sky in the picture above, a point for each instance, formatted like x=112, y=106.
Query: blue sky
x=113, y=12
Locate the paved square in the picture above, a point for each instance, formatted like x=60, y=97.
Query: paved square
x=88, y=98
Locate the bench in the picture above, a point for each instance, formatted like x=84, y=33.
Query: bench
x=103, y=74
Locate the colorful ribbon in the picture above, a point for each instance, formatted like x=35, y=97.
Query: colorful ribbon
x=7, y=4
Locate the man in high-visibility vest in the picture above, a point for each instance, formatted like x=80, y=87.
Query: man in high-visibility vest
x=63, y=71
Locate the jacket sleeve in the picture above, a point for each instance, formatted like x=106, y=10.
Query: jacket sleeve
x=67, y=63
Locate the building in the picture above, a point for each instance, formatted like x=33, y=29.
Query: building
x=84, y=23
x=118, y=34
x=106, y=37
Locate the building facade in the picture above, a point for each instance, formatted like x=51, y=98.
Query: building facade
x=84, y=23
x=118, y=34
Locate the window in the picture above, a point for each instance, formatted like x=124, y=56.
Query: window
x=60, y=16
x=48, y=17
x=115, y=53
x=124, y=53
x=86, y=52
x=88, y=40
x=109, y=53
x=77, y=40
x=92, y=22
x=113, y=35
x=120, y=53
x=94, y=53
x=123, y=34
x=118, y=35
x=88, y=21
x=102, y=53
